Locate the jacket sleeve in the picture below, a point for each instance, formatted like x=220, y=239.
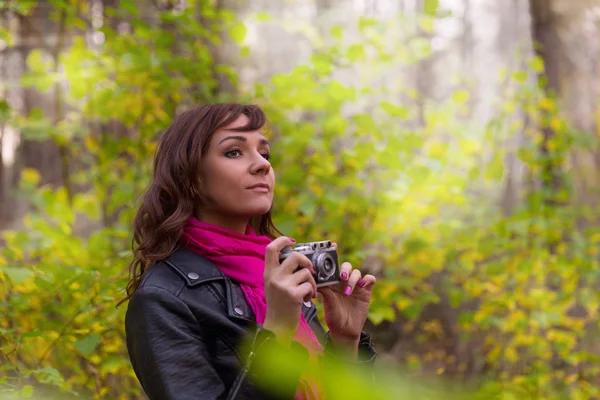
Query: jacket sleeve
x=167, y=348
x=168, y=352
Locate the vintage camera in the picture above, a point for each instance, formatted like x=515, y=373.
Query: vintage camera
x=323, y=256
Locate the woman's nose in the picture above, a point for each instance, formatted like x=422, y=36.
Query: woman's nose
x=260, y=165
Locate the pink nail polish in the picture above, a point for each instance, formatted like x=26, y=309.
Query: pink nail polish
x=344, y=276
x=348, y=290
x=362, y=283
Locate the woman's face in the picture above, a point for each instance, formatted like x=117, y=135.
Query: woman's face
x=236, y=175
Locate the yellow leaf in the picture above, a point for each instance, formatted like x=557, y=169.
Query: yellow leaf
x=571, y=378
x=546, y=104
x=511, y=354
x=556, y=124
x=30, y=175
x=95, y=359
x=91, y=144
x=494, y=353
x=35, y=302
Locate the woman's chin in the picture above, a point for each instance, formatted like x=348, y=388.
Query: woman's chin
x=257, y=210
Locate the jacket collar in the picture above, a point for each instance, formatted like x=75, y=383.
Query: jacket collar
x=197, y=270
x=193, y=268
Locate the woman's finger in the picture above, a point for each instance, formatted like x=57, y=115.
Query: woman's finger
x=304, y=291
x=294, y=261
x=304, y=275
x=345, y=270
x=367, y=281
x=273, y=250
x=352, y=281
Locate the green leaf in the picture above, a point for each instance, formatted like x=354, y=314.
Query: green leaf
x=112, y=364
x=460, y=96
x=508, y=396
x=337, y=32
x=245, y=51
x=31, y=334
x=6, y=37
x=87, y=344
x=4, y=111
x=466, y=317
x=365, y=22
x=130, y=7
x=17, y=275
x=355, y=52
x=537, y=64
x=263, y=16
x=36, y=61
x=321, y=63
x=520, y=76
x=27, y=391
x=430, y=7
x=335, y=125
x=394, y=110
x=237, y=32
x=49, y=375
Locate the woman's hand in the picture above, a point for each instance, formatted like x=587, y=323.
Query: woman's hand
x=285, y=289
x=346, y=306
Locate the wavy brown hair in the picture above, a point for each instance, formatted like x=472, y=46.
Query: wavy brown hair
x=174, y=192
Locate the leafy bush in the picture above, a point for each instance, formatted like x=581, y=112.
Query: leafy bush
x=392, y=178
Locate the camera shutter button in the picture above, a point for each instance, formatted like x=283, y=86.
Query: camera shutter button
x=308, y=304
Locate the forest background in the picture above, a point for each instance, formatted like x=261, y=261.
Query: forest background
x=450, y=147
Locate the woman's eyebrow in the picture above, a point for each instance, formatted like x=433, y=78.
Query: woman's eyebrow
x=242, y=139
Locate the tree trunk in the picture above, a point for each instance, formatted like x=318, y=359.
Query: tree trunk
x=425, y=79
x=35, y=29
x=547, y=46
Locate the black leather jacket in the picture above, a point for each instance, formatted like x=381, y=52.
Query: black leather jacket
x=185, y=325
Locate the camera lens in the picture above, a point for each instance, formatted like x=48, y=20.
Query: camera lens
x=325, y=266
x=328, y=265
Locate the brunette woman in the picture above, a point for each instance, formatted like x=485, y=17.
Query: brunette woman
x=206, y=273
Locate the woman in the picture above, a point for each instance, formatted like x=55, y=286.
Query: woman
x=206, y=272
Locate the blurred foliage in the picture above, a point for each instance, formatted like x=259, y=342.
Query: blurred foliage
x=387, y=174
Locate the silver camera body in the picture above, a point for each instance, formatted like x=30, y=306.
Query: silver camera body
x=324, y=257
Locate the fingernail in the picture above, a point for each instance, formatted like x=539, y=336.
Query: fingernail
x=314, y=269
x=362, y=283
x=293, y=240
x=344, y=276
x=348, y=290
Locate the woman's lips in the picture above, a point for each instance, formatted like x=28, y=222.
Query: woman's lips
x=260, y=189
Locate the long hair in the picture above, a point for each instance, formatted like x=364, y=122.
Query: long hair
x=174, y=191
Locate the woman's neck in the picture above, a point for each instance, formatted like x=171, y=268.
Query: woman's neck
x=238, y=225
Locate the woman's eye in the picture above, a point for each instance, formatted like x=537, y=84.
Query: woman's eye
x=267, y=156
x=233, y=153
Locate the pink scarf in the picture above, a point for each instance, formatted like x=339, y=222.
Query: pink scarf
x=242, y=258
